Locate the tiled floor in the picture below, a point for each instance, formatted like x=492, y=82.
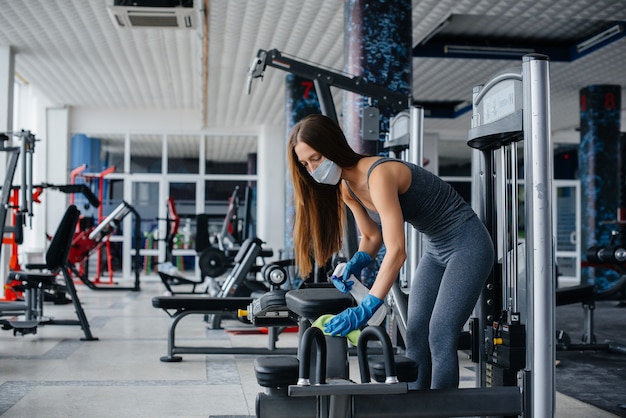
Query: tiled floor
x=55, y=374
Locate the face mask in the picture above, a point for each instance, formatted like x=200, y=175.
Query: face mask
x=327, y=173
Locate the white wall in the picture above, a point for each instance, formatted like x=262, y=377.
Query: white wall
x=431, y=152
x=7, y=70
x=271, y=168
x=48, y=122
x=109, y=120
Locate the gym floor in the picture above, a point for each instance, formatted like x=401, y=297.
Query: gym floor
x=55, y=374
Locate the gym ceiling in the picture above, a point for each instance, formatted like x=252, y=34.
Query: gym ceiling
x=77, y=53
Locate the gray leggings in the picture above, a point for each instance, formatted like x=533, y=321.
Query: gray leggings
x=443, y=293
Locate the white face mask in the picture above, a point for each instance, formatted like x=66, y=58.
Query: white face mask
x=327, y=173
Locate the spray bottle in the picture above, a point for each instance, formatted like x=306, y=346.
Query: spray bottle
x=358, y=292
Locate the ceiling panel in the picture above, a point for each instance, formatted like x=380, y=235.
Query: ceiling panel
x=74, y=53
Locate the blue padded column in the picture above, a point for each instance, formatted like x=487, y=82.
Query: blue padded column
x=300, y=101
x=377, y=46
x=599, y=172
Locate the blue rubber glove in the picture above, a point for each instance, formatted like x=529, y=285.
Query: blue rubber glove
x=358, y=262
x=344, y=286
x=353, y=318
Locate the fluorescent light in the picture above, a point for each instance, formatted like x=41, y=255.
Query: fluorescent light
x=598, y=38
x=486, y=50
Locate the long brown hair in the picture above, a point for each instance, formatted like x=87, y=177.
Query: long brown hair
x=319, y=209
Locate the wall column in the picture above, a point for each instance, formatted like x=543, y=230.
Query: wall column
x=600, y=112
x=300, y=101
x=271, y=169
x=377, y=46
x=7, y=79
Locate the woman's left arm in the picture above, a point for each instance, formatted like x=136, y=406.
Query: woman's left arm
x=384, y=185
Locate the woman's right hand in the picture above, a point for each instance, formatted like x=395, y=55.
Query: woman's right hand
x=358, y=262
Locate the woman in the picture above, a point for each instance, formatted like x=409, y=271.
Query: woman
x=383, y=194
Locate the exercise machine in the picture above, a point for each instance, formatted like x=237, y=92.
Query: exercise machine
x=323, y=79
x=240, y=289
x=405, y=140
x=22, y=204
x=25, y=317
x=611, y=256
x=291, y=391
x=513, y=328
x=216, y=253
x=90, y=240
x=515, y=314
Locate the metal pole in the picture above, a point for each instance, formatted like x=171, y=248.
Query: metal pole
x=504, y=206
x=482, y=201
x=416, y=156
x=24, y=186
x=541, y=354
x=514, y=306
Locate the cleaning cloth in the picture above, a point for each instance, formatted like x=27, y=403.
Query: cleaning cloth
x=353, y=336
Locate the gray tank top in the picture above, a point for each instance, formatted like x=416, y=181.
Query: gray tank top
x=430, y=204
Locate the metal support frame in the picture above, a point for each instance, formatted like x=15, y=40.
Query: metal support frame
x=173, y=349
x=101, y=235
x=406, y=141
x=527, y=298
x=534, y=393
x=323, y=79
x=540, y=296
x=26, y=148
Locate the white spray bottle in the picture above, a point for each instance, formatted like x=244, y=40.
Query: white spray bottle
x=358, y=292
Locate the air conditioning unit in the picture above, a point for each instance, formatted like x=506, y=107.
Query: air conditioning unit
x=153, y=14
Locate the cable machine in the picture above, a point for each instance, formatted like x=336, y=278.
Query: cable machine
x=22, y=203
x=515, y=315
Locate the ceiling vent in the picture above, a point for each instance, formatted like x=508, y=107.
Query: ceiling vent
x=153, y=14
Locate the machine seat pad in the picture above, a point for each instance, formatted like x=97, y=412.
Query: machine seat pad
x=276, y=371
x=405, y=367
x=201, y=303
x=315, y=302
x=575, y=294
x=34, y=279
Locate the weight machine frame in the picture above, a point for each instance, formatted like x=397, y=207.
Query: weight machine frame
x=529, y=120
x=514, y=105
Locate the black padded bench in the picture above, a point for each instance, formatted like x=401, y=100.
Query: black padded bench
x=587, y=295
x=584, y=293
x=178, y=307
x=311, y=304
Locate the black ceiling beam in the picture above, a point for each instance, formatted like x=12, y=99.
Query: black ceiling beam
x=449, y=109
x=497, y=48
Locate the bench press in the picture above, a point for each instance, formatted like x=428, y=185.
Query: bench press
x=178, y=307
x=237, y=293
